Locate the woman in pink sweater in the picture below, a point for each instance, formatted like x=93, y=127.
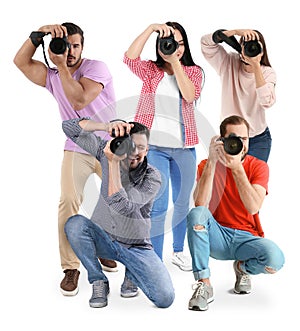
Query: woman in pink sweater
x=248, y=83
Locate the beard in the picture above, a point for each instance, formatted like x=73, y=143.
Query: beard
x=70, y=64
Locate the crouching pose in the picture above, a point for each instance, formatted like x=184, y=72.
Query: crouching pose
x=224, y=224
x=119, y=228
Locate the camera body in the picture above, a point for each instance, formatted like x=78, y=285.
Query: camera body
x=59, y=45
x=122, y=145
x=168, y=45
x=233, y=144
x=252, y=48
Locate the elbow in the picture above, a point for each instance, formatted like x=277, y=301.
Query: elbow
x=18, y=62
x=201, y=203
x=64, y=125
x=253, y=209
x=77, y=106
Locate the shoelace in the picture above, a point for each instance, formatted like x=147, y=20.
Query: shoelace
x=199, y=287
x=244, y=279
x=128, y=284
x=70, y=276
x=99, y=290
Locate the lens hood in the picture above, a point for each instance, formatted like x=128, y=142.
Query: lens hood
x=168, y=45
x=59, y=45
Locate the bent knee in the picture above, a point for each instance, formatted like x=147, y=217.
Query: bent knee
x=165, y=300
x=74, y=224
x=197, y=218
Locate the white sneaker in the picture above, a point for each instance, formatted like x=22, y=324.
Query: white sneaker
x=182, y=261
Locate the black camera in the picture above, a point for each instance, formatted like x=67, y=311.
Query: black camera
x=252, y=48
x=59, y=45
x=233, y=144
x=122, y=145
x=168, y=45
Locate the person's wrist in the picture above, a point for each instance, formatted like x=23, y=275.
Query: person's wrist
x=36, y=38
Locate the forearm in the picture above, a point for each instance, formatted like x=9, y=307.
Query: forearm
x=185, y=85
x=74, y=91
x=250, y=196
x=75, y=130
x=114, y=181
x=24, y=54
x=91, y=126
x=136, y=48
x=203, y=190
x=259, y=78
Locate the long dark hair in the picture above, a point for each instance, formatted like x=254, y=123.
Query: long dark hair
x=264, y=59
x=186, y=59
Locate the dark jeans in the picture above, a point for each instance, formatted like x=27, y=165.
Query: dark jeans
x=260, y=145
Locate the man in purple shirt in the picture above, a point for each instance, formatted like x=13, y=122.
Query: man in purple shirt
x=82, y=88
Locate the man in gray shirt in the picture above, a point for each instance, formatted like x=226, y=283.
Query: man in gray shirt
x=119, y=228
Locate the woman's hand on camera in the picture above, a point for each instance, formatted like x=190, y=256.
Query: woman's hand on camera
x=163, y=30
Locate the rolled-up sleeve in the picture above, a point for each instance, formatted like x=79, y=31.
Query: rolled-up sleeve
x=86, y=140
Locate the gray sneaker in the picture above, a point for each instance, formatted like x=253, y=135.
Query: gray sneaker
x=128, y=289
x=99, y=296
x=243, y=282
x=202, y=296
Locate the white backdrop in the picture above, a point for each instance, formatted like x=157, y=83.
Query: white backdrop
x=32, y=149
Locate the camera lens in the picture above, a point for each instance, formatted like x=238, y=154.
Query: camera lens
x=233, y=145
x=58, y=45
x=122, y=145
x=252, y=48
x=168, y=45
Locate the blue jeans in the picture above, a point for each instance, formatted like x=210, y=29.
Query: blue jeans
x=258, y=255
x=178, y=166
x=143, y=266
x=260, y=145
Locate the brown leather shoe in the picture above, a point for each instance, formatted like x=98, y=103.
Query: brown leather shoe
x=108, y=265
x=69, y=285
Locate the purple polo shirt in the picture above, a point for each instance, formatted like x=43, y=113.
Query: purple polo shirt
x=101, y=109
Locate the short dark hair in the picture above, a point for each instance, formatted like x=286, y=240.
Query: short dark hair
x=74, y=29
x=140, y=129
x=232, y=120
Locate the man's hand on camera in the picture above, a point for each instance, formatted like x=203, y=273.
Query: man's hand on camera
x=119, y=128
x=111, y=157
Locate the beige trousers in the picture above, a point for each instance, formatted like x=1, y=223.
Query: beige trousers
x=75, y=171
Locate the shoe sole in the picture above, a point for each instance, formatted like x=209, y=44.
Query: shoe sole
x=197, y=308
x=129, y=295
x=98, y=305
x=241, y=292
x=181, y=268
x=69, y=293
x=105, y=268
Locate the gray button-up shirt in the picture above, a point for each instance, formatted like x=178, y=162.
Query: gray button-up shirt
x=125, y=215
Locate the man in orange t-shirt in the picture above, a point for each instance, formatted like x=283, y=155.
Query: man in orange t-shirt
x=224, y=224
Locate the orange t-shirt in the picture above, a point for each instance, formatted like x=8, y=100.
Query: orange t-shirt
x=226, y=205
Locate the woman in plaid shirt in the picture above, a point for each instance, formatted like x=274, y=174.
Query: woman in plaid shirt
x=171, y=86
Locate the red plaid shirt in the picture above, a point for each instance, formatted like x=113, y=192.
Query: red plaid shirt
x=151, y=75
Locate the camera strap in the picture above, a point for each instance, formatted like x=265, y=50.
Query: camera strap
x=34, y=36
x=219, y=36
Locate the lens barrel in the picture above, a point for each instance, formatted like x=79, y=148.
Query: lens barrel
x=168, y=45
x=122, y=145
x=233, y=145
x=58, y=45
x=252, y=48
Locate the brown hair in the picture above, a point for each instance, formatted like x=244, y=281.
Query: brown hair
x=232, y=120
